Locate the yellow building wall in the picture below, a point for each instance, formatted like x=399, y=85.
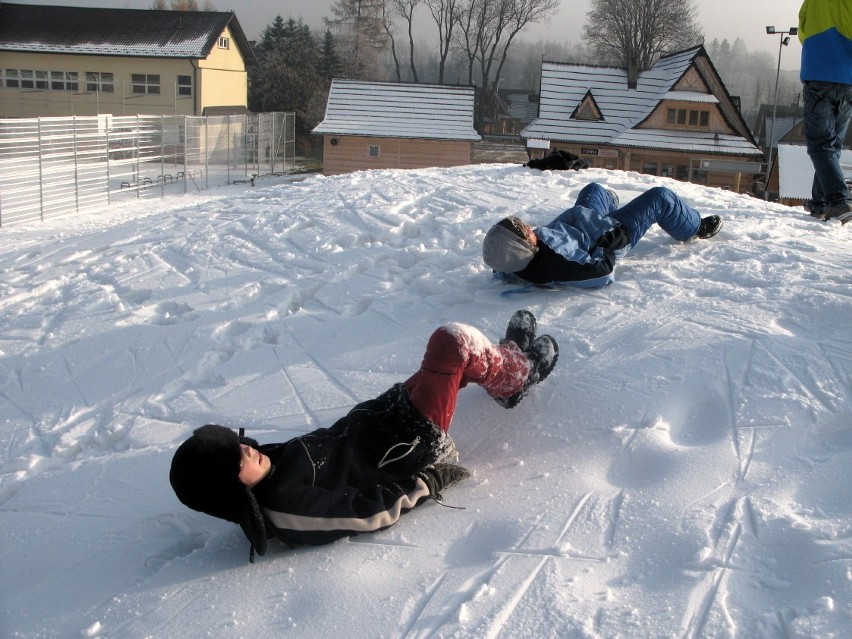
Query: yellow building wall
x=220, y=80
x=223, y=77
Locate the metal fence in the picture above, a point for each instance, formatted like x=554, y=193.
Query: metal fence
x=51, y=167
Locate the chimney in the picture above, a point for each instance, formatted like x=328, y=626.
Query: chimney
x=632, y=73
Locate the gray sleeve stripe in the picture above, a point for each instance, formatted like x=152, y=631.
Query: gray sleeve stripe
x=288, y=521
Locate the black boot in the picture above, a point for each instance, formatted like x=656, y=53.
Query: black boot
x=521, y=330
x=543, y=353
x=709, y=226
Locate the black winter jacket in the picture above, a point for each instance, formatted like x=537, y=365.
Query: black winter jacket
x=357, y=476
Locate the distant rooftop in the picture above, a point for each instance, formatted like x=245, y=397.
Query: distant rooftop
x=400, y=110
x=116, y=32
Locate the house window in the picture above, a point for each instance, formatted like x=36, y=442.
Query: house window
x=11, y=79
x=100, y=82
x=224, y=43
x=23, y=79
x=374, y=150
x=649, y=168
x=141, y=83
x=692, y=117
x=184, y=85
x=64, y=81
x=33, y=79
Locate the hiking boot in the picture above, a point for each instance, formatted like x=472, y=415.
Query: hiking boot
x=709, y=226
x=543, y=353
x=521, y=330
x=841, y=211
x=815, y=209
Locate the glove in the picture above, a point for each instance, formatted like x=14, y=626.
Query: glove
x=614, y=239
x=439, y=476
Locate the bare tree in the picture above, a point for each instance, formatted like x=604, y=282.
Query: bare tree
x=360, y=29
x=445, y=13
x=405, y=10
x=182, y=5
x=634, y=33
x=486, y=30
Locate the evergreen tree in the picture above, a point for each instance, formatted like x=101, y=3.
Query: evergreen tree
x=272, y=36
x=330, y=65
x=288, y=76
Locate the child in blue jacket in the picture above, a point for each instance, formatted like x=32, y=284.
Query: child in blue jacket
x=581, y=246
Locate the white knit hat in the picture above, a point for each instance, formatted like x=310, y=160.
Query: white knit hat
x=504, y=251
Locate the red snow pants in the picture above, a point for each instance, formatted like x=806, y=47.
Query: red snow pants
x=457, y=355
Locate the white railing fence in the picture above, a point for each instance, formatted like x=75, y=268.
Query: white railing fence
x=51, y=167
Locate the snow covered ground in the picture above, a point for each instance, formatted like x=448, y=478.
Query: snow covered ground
x=683, y=473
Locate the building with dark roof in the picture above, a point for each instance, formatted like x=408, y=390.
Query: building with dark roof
x=675, y=119
x=60, y=61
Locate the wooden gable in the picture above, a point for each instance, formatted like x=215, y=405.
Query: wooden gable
x=588, y=109
x=691, y=81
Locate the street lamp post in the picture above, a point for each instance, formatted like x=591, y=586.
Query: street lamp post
x=784, y=40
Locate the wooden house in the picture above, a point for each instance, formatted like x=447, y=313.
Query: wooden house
x=675, y=119
x=382, y=125
x=60, y=61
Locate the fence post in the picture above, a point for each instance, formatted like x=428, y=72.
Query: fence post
x=163, y=154
x=206, y=153
x=40, y=175
x=136, y=152
x=228, y=150
x=76, y=168
x=185, y=152
x=106, y=122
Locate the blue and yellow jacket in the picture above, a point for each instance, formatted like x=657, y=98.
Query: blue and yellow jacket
x=825, y=31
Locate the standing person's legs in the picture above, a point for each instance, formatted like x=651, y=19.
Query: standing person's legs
x=828, y=108
x=660, y=205
x=456, y=355
x=596, y=197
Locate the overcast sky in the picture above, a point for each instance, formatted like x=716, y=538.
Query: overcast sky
x=731, y=19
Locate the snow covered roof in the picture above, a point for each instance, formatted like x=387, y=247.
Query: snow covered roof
x=783, y=125
x=691, y=141
x=691, y=96
x=564, y=86
x=396, y=110
x=521, y=107
x=117, y=32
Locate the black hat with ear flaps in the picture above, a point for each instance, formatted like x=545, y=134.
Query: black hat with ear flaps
x=205, y=476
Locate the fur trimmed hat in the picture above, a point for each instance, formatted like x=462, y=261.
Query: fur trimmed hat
x=504, y=249
x=205, y=476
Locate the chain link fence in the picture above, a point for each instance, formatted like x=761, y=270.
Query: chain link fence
x=50, y=167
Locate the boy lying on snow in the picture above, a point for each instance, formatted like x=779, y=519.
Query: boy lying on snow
x=581, y=246
x=385, y=457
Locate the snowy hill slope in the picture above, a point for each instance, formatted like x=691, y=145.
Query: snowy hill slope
x=683, y=473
